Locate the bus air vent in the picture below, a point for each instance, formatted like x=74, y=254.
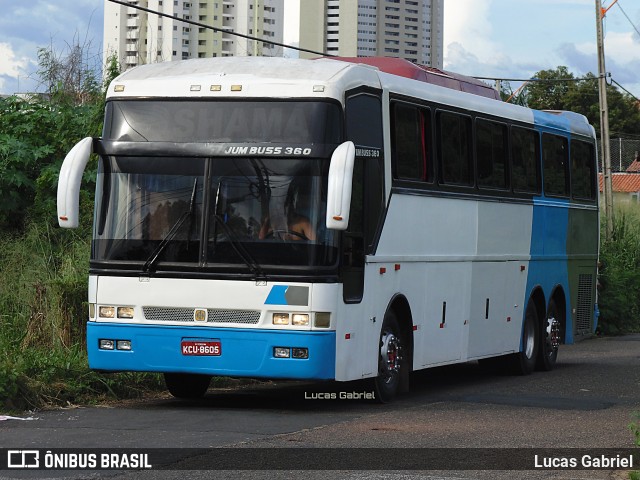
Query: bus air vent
x=214, y=315
x=584, y=310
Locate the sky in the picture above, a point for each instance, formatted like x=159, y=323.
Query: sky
x=486, y=38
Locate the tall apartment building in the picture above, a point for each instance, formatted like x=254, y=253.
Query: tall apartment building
x=409, y=29
x=139, y=37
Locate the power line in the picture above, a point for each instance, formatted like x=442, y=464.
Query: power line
x=627, y=16
x=215, y=29
x=558, y=80
x=613, y=81
x=550, y=80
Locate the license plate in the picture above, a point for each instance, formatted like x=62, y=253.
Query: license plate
x=211, y=348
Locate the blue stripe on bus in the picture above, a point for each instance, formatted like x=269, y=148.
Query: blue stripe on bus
x=277, y=295
x=550, y=120
x=288, y=295
x=548, y=267
x=245, y=352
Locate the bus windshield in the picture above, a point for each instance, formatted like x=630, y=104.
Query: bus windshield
x=271, y=211
x=233, y=195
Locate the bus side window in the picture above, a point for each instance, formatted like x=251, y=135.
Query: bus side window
x=555, y=160
x=364, y=129
x=583, y=180
x=454, y=149
x=525, y=157
x=411, y=143
x=491, y=154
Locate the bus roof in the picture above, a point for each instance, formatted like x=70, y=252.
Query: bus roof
x=404, y=68
x=252, y=76
x=273, y=77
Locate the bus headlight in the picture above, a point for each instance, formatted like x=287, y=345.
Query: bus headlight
x=107, y=312
x=123, y=345
x=281, y=352
x=125, y=312
x=300, y=319
x=106, y=344
x=280, y=319
x=302, y=353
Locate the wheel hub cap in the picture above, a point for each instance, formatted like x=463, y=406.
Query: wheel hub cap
x=391, y=354
x=553, y=333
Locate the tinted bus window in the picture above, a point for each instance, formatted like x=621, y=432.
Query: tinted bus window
x=491, y=154
x=582, y=170
x=364, y=120
x=410, y=142
x=364, y=129
x=556, y=172
x=233, y=121
x=525, y=154
x=454, y=150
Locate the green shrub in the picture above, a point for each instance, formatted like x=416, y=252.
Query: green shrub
x=618, y=298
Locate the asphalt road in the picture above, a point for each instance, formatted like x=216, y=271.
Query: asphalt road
x=587, y=402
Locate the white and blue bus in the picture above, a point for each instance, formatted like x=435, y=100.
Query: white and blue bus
x=330, y=220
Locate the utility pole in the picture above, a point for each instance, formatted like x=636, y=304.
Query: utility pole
x=604, y=123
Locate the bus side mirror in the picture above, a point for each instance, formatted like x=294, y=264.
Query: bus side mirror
x=339, y=186
x=69, y=183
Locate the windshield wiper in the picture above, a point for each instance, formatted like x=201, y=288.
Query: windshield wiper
x=153, y=258
x=242, y=252
x=237, y=246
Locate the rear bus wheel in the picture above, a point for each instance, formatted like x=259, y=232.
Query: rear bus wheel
x=550, y=335
x=390, y=360
x=187, y=385
x=524, y=361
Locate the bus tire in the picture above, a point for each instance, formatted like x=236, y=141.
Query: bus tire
x=390, y=359
x=524, y=362
x=187, y=385
x=549, y=338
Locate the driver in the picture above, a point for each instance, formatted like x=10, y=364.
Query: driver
x=299, y=226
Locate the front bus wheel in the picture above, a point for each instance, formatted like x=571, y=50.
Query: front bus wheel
x=550, y=335
x=390, y=360
x=187, y=385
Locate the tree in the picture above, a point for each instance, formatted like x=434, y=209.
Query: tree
x=581, y=95
x=70, y=75
x=549, y=89
x=36, y=133
x=515, y=97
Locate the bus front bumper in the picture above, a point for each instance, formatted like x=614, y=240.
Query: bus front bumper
x=243, y=352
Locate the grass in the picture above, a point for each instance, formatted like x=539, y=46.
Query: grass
x=43, y=310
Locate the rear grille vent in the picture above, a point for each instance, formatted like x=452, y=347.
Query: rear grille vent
x=215, y=315
x=585, y=304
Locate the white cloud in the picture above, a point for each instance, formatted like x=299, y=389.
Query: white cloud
x=623, y=46
x=11, y=66
x=469, y=47
x=466, y=22
x=515, y=39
